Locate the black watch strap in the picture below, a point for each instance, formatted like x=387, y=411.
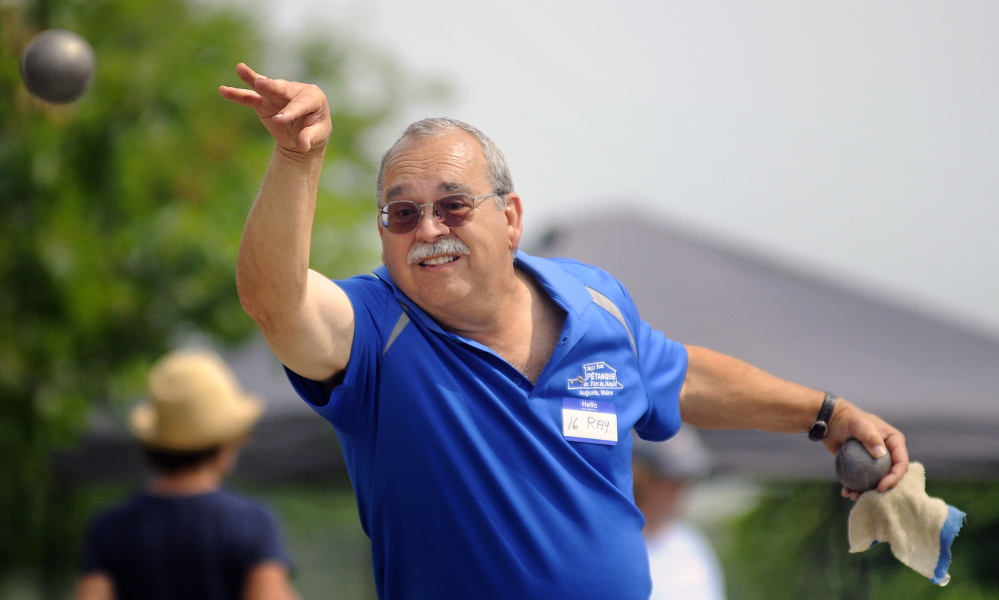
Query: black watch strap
x=821, y=426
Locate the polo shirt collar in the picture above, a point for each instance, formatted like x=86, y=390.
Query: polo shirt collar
x=562, y=287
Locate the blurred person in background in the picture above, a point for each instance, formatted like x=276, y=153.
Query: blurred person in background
x=682, y=560
x=185, y=536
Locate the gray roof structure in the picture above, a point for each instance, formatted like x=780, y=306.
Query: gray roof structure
x=290, y=442
x=935, y=381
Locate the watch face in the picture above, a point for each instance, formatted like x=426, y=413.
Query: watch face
x=818, y=431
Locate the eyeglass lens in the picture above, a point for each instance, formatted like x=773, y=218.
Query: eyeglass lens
x=403, y=216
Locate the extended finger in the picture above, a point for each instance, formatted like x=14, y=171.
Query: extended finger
x=240, y=96
x=277, y=91
x=247, y=74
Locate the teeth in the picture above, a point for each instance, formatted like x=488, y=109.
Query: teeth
x=440, y=260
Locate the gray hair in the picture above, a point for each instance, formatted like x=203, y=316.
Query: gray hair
x=497, y=171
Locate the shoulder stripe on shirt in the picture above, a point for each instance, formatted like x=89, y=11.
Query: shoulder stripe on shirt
x=607, y=304
x=601, y=301
x=399, y=326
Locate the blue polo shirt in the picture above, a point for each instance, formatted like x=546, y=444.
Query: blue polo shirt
x=473, y=483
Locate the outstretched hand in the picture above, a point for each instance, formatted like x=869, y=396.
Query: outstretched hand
x=296, y=114
x=878, y=437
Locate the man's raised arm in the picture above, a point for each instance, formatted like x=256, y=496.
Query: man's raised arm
x=721, y=392
x=306, y=319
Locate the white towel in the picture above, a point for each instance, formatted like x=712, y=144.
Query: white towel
x=919, y=529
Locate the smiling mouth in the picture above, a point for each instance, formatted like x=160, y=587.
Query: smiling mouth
x=439, y=260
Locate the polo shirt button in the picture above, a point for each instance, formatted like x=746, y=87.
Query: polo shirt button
x=563, y=340
x=517, y=380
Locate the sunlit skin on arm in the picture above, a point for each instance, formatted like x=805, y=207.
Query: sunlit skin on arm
x=722, y=392
x=306, y=319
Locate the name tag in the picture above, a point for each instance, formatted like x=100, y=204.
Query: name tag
x=591, y=421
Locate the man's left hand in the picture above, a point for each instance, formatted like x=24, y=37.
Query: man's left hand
x=878, y=437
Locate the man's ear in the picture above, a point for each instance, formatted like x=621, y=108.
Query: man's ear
x=514, y=212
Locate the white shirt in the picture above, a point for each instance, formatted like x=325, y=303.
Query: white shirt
x=684, y=565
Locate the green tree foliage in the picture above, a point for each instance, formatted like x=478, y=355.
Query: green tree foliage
x=120, y=216
x=794, y=545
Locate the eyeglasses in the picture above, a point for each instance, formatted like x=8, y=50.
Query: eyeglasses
x=453, y=211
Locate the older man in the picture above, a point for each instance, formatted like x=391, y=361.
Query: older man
x=484, y=398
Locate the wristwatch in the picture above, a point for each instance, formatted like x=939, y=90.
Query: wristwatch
x=821, y=426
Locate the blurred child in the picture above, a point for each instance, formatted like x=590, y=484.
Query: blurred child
x=185, y=536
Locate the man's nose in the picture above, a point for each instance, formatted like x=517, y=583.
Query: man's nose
x=430, y=227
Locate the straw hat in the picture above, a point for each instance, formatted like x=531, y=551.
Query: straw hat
x=194, y=403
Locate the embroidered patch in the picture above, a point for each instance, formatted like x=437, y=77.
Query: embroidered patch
x=598, y=379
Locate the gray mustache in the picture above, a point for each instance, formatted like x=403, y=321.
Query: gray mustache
x=448, y=245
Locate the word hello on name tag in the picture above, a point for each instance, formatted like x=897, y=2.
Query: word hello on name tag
x=591, y=421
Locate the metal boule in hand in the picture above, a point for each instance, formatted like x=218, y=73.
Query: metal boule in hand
x=857, y=470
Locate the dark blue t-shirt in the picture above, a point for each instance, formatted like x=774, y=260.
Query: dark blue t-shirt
x=190, y=547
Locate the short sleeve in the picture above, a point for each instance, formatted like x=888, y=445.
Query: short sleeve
x=663, y=364
x=266, y=543
x=348, y=406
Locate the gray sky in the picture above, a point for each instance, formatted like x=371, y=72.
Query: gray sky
x=855, y=140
